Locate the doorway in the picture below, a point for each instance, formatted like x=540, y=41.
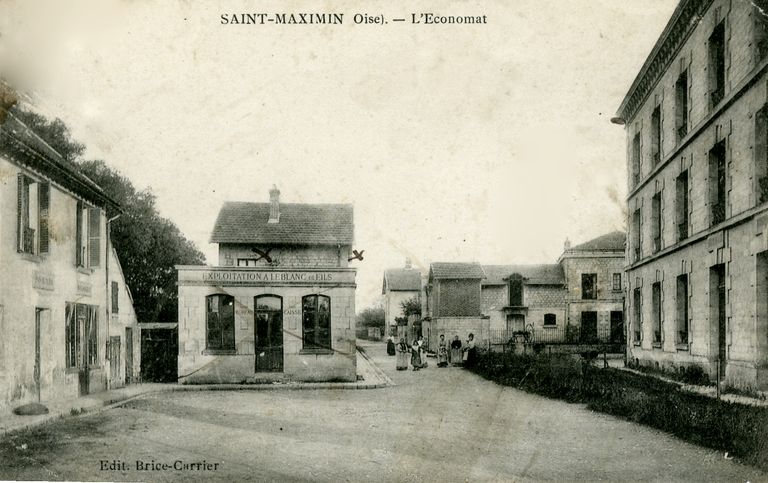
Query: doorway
x=114, y=361
x=717, y=313
x=268, y=337
x=38, y=348
x=159, y=354
x=588, y=334
x=617, y=326
x=128, y=355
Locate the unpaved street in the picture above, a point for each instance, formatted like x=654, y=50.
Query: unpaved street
x=436, y=424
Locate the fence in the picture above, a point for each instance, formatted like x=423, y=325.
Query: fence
x=568, y=334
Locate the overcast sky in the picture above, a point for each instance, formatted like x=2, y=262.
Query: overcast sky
x=487, y=143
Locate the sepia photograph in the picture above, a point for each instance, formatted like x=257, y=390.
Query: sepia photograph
x=506, y=241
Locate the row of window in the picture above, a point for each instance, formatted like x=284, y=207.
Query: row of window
x=32, y=227
x=588, y=287
x=681, y=317
x=220, y=321
x=716, y=58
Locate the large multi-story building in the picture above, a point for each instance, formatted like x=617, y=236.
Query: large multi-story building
x=62, y=294
x=696, y=119
x=281, y=303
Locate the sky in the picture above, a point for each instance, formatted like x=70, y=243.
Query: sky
x=488, y=143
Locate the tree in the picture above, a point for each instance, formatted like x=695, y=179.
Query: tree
x=371, y=317
x=147, y=244
x=412, y=306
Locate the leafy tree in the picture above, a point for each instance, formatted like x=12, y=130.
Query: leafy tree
x=371, y=317
x=412, y=306
x=147, y=244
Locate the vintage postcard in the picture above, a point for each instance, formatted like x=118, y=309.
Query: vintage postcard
x=519, y=240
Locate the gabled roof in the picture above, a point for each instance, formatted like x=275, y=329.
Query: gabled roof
x=613, y=241
x=472, y=270
x=545, y=274
x=402, y=279
x=300, y=224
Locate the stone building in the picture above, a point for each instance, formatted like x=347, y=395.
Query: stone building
x=399, y=285
x=281, y=304
x=696, y=120
x=62, y=296
x=594, y=279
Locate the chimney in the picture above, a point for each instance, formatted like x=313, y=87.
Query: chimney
x=408, y=263
x=274, y=205
x=567, y=244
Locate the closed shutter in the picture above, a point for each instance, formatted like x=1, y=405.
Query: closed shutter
x=94, y=237
x=79, y=260
x=44, y=202
x=115, y=298
x=19, y=214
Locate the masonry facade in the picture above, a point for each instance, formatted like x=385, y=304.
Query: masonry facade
x=282, y=303
x=398, y=286
x=58, y=269
x=697, y=156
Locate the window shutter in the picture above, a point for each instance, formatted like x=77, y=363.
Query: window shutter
x=19, y=214
x=115, y=298
x=79, y=260
x=94, y=237
x=44, y=198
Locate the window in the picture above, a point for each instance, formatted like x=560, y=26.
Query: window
x=656, y=307
x=637, y=305
x=761, y=155
x=115, y=298
x=516, y=290
x=717, y=192
x=760, y=14
x=681, y=105
x=33, y=202
x=220, y=323
x=656, y=221
x=316, y=321
x=617, y=282
x=682, y=309
x=88, y=236
x=81, y=335
x=656, y=135
x=588, y=285
x=246, y=262
x=636, y=153
x=637, y=234
x=681, y=205
x=550, y=319
x=717, y=64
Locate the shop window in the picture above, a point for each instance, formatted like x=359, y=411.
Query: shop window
x=682, y=309
x=588, y=285
x=550, y=319
x=33, y=202
x=81, y=335
x=220, y=323
x=88, y=236
x=656, y=307
x=681, y=205
x=681, y=105
x=717, y=64
x=617, y=282
x=316, y=322
x=717, y=180
x=656, y=135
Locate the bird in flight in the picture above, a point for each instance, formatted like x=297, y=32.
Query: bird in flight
x=357, y=255
x=262, y=254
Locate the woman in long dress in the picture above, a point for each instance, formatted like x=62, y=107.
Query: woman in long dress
x=416, y=356
x=402, y=356
x=471, y=351
x=442, y=352
x=391, y=346
x=423, y=352
x=456, y=351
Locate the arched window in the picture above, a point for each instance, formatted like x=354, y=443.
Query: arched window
x=316, y=321
x=220, y=323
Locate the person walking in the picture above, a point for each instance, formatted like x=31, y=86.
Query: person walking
x=455, y=351
x=416, y=356
x=442, y=352
x=402, y=356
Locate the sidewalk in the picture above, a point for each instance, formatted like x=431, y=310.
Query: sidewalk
x=369, y=377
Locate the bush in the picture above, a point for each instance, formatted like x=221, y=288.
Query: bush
x=726, y=426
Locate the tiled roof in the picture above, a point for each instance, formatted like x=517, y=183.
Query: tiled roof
x=456, y=270
x=611, y=241
x=403, y=279
x=548, y=274
x=300, y=224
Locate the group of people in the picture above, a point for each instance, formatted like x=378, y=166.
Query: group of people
x=455, y=354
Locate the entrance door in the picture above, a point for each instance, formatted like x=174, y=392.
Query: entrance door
x=718, y=306
x=37, y=370
x=617, y=327
x=114, y=360
x=268, y=341
x=588, y=334
x=128, y=355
